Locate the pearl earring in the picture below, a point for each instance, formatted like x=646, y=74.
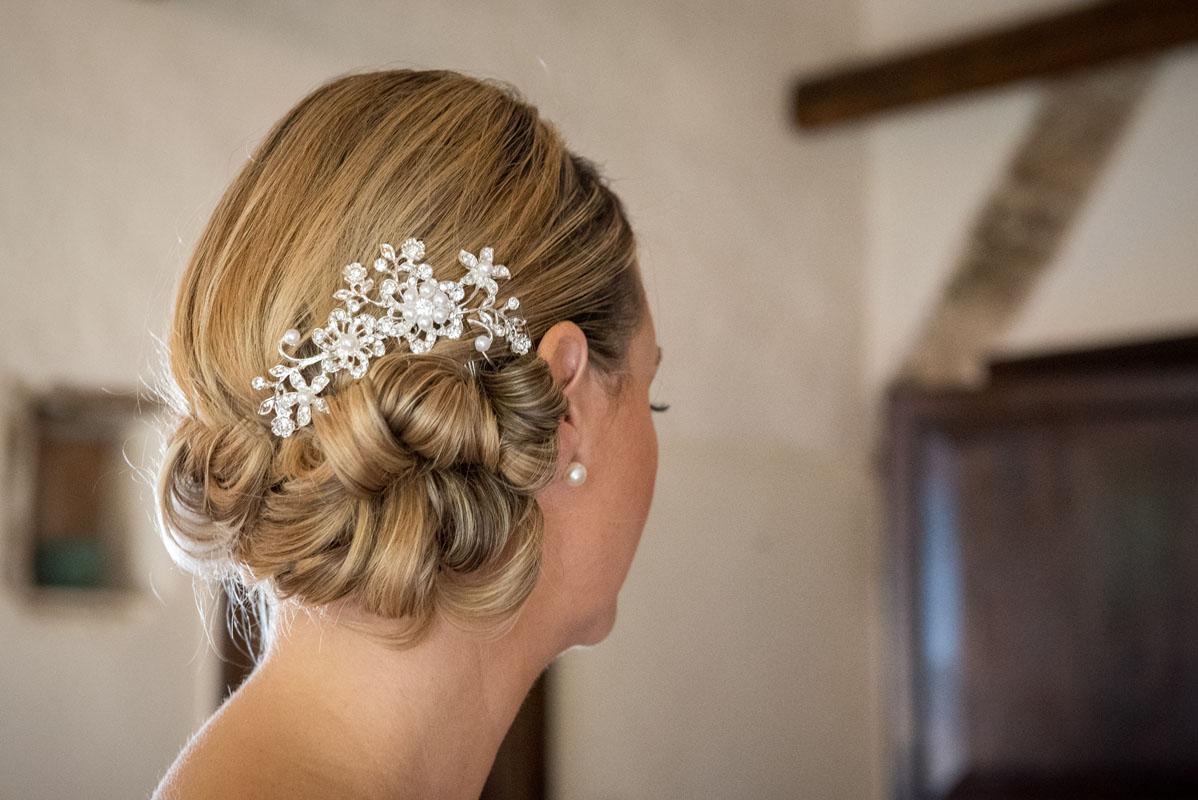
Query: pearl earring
x=576, y=475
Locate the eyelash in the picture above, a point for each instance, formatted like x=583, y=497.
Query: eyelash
x=659, y=408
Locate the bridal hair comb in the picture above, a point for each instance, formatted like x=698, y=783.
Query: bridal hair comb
x=419, y=309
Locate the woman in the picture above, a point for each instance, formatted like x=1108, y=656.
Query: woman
x=431, y=519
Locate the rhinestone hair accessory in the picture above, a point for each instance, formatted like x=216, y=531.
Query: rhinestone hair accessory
x=419, y=309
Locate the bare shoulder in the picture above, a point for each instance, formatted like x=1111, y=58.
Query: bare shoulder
x=194, y=775
x=240, y=753
x=196, y=769
x=215, y=762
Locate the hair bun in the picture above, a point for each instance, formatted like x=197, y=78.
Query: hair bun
x=213, y=478
x=410, y=413
x=529, y=408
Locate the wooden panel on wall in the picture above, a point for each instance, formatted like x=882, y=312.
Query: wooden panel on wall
x=1043, y=557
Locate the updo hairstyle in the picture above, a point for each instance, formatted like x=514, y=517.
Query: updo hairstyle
x=414, y=496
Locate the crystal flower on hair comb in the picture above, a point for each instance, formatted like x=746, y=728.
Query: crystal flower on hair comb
x=418, y=309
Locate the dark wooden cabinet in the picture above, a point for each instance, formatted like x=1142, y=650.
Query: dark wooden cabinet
x=1043, y=580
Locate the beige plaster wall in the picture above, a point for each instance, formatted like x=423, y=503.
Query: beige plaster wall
x=1129, y=269
x=1125, y=269
x=745, y=660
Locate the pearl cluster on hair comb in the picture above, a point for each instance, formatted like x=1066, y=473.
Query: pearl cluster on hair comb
x=419, y=310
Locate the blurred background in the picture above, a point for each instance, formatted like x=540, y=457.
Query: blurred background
x=924, y=521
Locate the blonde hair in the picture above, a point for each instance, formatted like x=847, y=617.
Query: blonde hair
x=414, y=497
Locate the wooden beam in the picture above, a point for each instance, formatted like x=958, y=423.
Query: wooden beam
x=1087, y=37
x=1020, y=229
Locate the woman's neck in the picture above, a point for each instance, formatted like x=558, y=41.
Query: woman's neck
x=426, y=721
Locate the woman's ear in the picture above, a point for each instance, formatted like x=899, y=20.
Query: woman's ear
x=564, y=347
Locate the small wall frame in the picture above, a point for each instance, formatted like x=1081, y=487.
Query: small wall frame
x=69, y=484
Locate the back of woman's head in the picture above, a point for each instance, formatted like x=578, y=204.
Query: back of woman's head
x=414, y=495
